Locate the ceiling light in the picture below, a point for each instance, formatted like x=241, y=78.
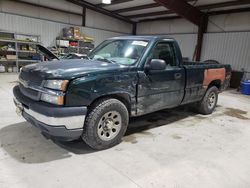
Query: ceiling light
x=106, y=2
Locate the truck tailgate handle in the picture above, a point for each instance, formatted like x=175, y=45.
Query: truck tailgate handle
x=177, y=76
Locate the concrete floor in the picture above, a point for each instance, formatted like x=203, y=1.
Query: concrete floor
x=171, y=148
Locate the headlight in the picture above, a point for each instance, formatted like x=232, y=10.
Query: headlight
x=56, y=84
x=54, y=99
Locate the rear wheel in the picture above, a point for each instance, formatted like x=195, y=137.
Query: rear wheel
x=106, y=124
x=209, y=101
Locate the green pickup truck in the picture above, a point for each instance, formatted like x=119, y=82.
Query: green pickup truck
x=123, y=77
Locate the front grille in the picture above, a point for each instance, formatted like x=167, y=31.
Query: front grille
x=30, y=93
x=31, y=77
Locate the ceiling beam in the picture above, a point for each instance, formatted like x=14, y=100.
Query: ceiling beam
x=47, y=7
x=140, y=7
x=114, y=2
x=192, y=14
x=159, y=13
x=151, y=5
x=212, y=13
x=160, y=18
x=224, y=4
x=229, y=11
x=184, y=9
x=201, y=7
x=100, y=10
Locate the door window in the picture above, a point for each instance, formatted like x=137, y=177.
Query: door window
x=166, y=52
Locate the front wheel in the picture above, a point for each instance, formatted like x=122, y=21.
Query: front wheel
x=106, y=124
x=208, y=103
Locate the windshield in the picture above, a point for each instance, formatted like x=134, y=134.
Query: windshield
x=125, y=52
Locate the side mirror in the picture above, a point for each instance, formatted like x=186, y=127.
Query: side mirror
x=156, y=64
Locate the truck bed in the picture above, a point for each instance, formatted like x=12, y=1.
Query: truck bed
x=197, y=73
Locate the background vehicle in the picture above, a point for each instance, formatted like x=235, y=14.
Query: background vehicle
x=124, y=77
x=48, y=55
x=73, y=56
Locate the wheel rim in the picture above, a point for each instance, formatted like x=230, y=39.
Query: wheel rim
x=109, y=125
x=211, y=100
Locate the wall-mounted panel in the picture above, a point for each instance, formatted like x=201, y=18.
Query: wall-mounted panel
x=98, y=20
x=48, y=30
x=166, y=26
x=58, y=4
x=93, y=19
x=20, y=8
x=229, y=22
x=187, y=43
x=229, y=48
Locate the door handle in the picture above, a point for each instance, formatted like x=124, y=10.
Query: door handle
x=177, y=76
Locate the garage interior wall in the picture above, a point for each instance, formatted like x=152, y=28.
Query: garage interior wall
x=28, y=19
x=227, y=39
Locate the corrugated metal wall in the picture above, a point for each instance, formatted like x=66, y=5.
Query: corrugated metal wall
x=231, y=48
x=187, y=43
x=48, y=30
x=228, y=48
x=93, y=19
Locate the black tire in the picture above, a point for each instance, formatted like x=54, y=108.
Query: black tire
x=205, y=106
x=91, y=131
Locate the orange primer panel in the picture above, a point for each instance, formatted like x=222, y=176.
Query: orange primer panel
x=214, y=74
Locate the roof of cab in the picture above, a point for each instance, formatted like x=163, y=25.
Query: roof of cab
x=143, y=37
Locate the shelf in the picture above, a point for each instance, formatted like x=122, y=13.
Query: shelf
x=18, y=41
x=26, y=42
x=19, y=60
x=24, y=51
x=7, y=40
x=6, y=51
x=26, y=60
x=6, y=60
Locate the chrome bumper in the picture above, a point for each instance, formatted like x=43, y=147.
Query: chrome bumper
x=59, y=122
x=70, y=122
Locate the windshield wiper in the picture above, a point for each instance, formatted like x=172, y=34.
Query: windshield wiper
x=106, y=60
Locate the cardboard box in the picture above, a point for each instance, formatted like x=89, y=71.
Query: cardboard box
x=77, y=32
x=68, y=32
x=62, y=43
x=12, y=57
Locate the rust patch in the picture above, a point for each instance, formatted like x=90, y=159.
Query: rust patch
x=214, y=74
x=233, y=112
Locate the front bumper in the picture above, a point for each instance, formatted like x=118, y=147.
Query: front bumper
x=61, y=123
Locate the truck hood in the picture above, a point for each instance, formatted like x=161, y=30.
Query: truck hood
x=69, y=69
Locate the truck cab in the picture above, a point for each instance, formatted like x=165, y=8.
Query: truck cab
x=123, y=77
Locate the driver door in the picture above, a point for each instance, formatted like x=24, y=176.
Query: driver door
x=159, y=89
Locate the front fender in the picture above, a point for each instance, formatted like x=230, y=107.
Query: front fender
x=83, y=91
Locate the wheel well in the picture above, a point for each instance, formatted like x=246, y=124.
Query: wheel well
x=124, y=98
x=216, y=83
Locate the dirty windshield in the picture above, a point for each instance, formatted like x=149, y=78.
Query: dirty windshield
x=125, y=52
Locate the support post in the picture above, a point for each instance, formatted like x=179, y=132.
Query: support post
x=191, y=13
x=83, y=16
x=202, y=28
x=134, y=28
